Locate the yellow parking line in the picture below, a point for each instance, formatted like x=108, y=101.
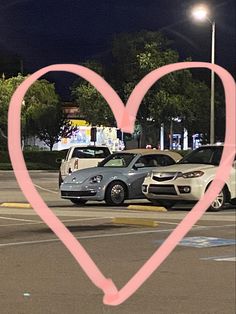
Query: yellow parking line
x=135, y=221
x=16, y=205
x=147, y=208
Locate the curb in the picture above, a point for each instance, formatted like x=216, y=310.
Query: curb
x=147, y=208
x=16, y=205
x=135, y=221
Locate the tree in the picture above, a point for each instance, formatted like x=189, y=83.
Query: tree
x=42, y=113
x=171, y=96
x=7, y=88
x=44, y=117
x=177, y=94
x=48, y=123
x=92, y=106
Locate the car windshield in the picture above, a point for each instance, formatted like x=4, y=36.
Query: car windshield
x=90, y=152
x=118, y=160
x=204, y=155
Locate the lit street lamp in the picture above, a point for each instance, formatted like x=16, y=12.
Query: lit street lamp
x=200, y=13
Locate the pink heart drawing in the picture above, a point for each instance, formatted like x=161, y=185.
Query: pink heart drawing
x=125, y=117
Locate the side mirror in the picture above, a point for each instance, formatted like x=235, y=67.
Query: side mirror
x=59, y=160
x=139, y=165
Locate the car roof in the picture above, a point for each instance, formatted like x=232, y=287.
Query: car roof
x=147, y=151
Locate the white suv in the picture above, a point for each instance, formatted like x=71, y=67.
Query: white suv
x=81, y=157
x=189, y=179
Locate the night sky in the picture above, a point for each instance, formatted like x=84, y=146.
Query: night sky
x=44, y=32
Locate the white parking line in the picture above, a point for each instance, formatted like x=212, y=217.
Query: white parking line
x=173, y=223
x=23, y=224
x=83, y=237
x=97, y=236
x=47, y=190
x=34, y=222
x=18, y=219
x=219, y=258
x=87, y=219
x=226, y=259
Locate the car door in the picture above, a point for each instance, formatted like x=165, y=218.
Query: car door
x=140, y=169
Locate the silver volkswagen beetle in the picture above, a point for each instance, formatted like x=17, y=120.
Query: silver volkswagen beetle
x=117, y=178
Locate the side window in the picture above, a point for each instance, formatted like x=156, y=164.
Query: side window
x=156, y=160
x=68, y=154
x=102, y=153
x=90, y=152
x=216, y=157
x=143, y=160
x=149, y=161
x=203, y=156
x=78, y=153
x=164, y=160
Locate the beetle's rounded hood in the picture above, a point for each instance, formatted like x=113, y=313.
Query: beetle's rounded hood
x=80, y=176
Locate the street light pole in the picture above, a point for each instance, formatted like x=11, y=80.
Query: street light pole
x=201, y=13
x=212, y=116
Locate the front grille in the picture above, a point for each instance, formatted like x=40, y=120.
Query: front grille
x=167, y=189
x=165, y=176
x=77, y=193
x=161, y=179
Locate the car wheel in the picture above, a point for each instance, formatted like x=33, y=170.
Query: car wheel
x=78, y=201
x=115, y=193
x=219, y=201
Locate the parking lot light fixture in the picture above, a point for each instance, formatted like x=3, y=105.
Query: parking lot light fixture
x=200, y=13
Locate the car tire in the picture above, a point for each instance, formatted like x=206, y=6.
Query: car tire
x=115, y=193
x=219, y=201
x=78, y=201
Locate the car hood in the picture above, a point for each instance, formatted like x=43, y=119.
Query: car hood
x=184, y=168
x=80, y=176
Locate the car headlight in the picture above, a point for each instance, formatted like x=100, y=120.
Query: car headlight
x=148, y=175
x=192, y=174
x=96, y=179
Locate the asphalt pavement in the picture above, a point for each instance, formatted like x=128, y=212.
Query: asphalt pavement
x=38, y=274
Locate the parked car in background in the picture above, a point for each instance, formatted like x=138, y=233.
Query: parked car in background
x=80, y=157
x=117, y=178
x=189, y=179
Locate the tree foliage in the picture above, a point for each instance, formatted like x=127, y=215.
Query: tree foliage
x=48, y=123
x=177, y=94
x=41, y=112
x=92, y=106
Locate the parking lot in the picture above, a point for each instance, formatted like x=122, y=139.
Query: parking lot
x=38, y=275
